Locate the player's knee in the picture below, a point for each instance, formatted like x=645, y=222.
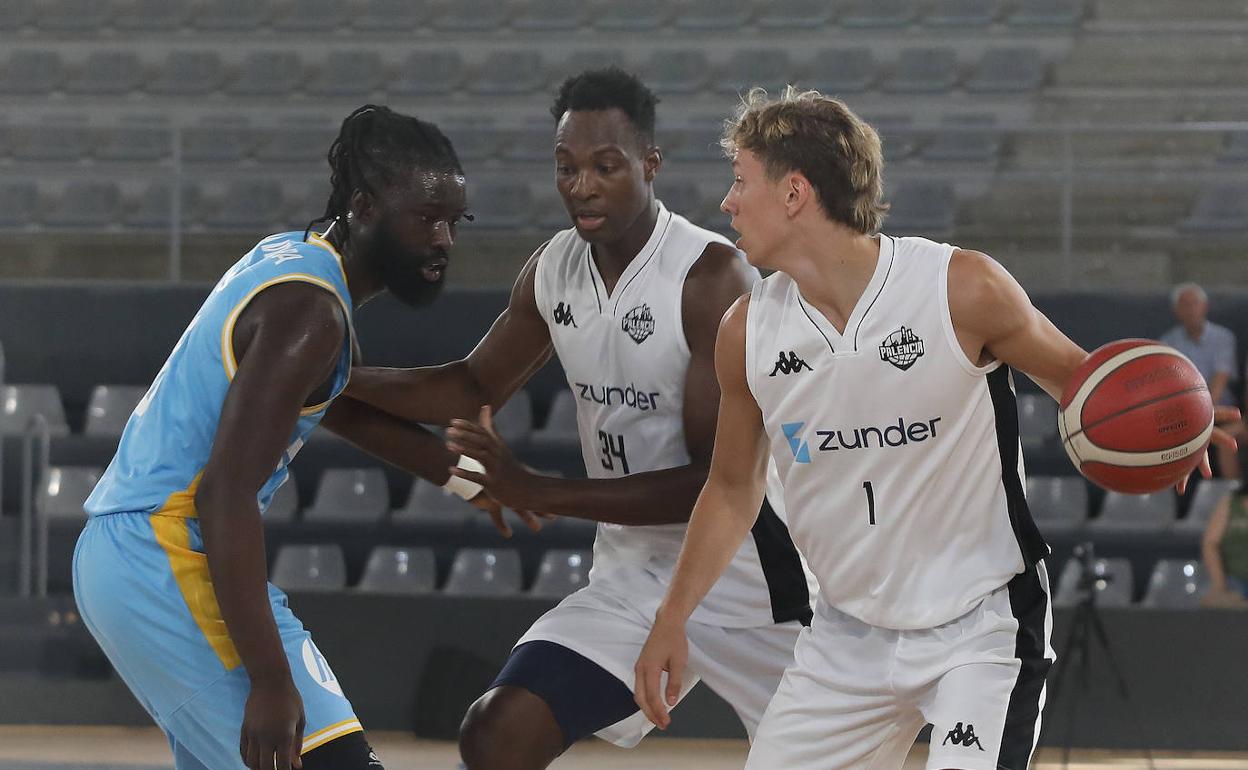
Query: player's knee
x=350, y=752
x=501, y=731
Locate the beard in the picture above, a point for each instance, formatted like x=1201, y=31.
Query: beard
x=402, y=273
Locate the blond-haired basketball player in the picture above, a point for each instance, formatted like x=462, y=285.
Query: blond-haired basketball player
x=876, y=372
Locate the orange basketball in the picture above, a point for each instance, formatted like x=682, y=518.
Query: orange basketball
x=1136, y=416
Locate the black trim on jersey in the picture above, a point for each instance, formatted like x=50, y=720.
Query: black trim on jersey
x=589, y=265
x=782, y=568
x=1005, y=410
x=802, y=304
x=657, y=245
x=1029, y=603
x=892, y=257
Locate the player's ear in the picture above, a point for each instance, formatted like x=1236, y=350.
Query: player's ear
x=363, y=206
x=652, y=162
x=797, y=192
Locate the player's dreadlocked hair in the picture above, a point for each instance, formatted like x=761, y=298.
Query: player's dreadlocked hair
x=375, y=148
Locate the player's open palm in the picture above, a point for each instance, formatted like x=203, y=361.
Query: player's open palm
x=273, y=723
x=666, y=650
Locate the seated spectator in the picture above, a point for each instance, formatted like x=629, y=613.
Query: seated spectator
x=1224, y=549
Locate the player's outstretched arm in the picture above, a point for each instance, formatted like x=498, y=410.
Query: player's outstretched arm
x=286, y=342
x=515, y=347
x=722, y=517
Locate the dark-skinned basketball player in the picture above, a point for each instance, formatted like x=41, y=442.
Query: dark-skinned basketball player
x=629, y=298
x=169, y=573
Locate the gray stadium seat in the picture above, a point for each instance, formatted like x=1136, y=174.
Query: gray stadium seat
x=15, y=14
x=32, y=72
x=63, y=490
x=480, y=15
x=23, y=402
x=313, y=15
x=87, y=204
x=484, y=572
x=426, y=72
x=310, y=568
x=879, y=13
x=72, y=15
x=302, y=141
x=247, y=205
x=232, y=15
x=633, y=15
x=549, y=211
x=19, y=204
x=585, y=59
x=962, y=13
x=397, y=570
x=1135, y=513
x=52, y=140
x=842, y=70
x=1047, y=13
x=153, y=207
x=509, y=72
x=684, y=198
x=428, y=503
x=475, y=141
x=714, y=14
x=502, y=205
x=1236, y=148
x=1113, y=583
x=138, y=139
x=561, y=425
x=794, y=14
x=532, y=143
x=1037, y=419
x=398, y=16
x=898, y=138
x=514, y=421
x=111, y=73
x=1219, y=209
x=110, y=407
x=925, y=208
x=924, y=71
x=223, y=139
x=697, y=140
x=770, y=68
x=284, y=506
x=1209, y=493
x=188, y=73
x=267, y=73
x=682, y=71
x=359, y=495
x=1058, y=503
x=1008, y=71
x=1176, y=584
x=150, y=15
x=551, y=15
x=349, y=74
x=561, y=573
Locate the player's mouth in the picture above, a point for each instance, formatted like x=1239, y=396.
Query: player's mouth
x=588, y=221
x=434, y=269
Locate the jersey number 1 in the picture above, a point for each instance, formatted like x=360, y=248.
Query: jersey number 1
x=866, y=486
x=612, y=450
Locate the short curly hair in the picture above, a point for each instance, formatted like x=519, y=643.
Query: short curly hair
x=609, y=88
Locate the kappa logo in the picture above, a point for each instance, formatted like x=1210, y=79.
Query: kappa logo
x=790, y=364
x=901, y=348
x=638, y=323
x=563, y=315
x=801, y=450
x=961, y=737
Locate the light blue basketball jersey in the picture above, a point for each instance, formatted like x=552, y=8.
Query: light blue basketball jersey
x=168, y=439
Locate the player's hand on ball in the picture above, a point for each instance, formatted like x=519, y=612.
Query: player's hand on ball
x=508, y=482
x=1221, y=414
x=273, y=723
x=666, y=649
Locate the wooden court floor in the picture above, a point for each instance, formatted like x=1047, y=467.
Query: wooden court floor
x=115, y=748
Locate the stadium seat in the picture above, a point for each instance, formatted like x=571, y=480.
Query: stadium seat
x=1219, y=209
x=838, y=71
x=350, y=495
x=71, y=15
x=1112, y=582
x=53, y=140
x=1176, y=584
x=150, y=15
x=232, y=15
x=87, y=204
x=1037, y=419
x=188, y=73
x=924, y=71
x=561, y=425
x=310, y=568
x=15, y=14
x=962, y=13
x=795, y=14
x=1008, y=71
x=19, y=204
x=429, y=503
x=561, y=572
x=1058, y=503
x=531, y=143
x=1047, y=13
x=770, y=68
x=153, y=208
x=1209, y=492
x=1235, y=150
x=31, y=72
x=134, y=139
x=879, y=13
x=585, y=59
x=637, y=15
x=427, y=72
x=926, y=208
x=472, y=15
x=64, y=489
x=304, y=141
x=898, y=138
x=968, y=139
x=23, y=402
x=1135, y=513
x=683, y=71
x=502, y=205
x=697, y=140
x=354, y=74
x=107, y=73
x=547, y=15
x=313, y=16
x=484, y=572
x=248, y=205
x=509, y=72
x=684, y=198
x=396, y=16
x=514, y=421
x=110, y=407
x=714, y=14
x=267, y=73
x=397, y=570
x=477, y=140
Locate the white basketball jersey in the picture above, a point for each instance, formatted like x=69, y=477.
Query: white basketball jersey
x=900, y=458
x=627, y=360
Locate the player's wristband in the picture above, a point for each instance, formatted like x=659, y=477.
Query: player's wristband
x=463, y=487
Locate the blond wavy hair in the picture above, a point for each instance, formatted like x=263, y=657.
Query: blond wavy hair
x=821, y=138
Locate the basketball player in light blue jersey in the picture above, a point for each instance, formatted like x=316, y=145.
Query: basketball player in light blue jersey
x=170, y=573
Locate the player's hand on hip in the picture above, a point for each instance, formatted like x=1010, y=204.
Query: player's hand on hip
x=505, y=478
x=666, y=649
x=273, y=722
x=1221, y=437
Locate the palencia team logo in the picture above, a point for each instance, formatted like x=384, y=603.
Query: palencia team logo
x=638, y=323
x=901, y=348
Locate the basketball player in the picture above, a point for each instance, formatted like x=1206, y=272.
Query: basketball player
x=875, y=372
x=169, y=573
x=630, y=299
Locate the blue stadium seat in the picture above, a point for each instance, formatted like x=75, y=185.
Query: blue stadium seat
x=922, y=208
x=358, y=495
x=31, y=72
x=547, y=15
x=150, y=15
x=638, y=15
x=89, y=204
x=1219, y=209
x=509, y=72
x=837, y=71
x=1008, y=71
x=1063, y=13
x=310, y=568
x=232, y=15
x=880, y=13
x=313, y=16
x=714, y=14
x=356, y=74
x=19, y=204
x=484, y=572
x=770, y=68
x=924, y=71
x=22, y=402
x=267, y=73
x=248, y=205
x=395, y=16
x=72, y=15
x=472, y=15
x=962, y=13
x=795, y=14
x=399, y=570
x=64, y=489
x=188, y=73
x=683, y=71
x=108, y=73
x=427, y=72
